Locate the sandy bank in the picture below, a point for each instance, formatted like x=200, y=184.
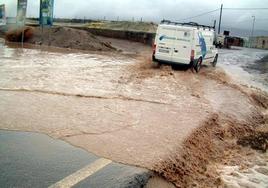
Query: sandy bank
x=63, y=37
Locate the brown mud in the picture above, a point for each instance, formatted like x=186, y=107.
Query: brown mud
x=260, y=98
x=196, y=166
x=257, y=140
x=245, y=160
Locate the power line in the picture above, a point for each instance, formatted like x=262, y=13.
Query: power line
x=203, y=14
x=245, y=8
x=209, y=12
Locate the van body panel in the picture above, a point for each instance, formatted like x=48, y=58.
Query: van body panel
x=165, y=42
x=182, y=45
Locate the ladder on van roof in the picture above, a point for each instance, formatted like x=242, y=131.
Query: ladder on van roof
x=193, y=24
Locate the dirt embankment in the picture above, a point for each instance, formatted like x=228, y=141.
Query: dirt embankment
x=63, y=37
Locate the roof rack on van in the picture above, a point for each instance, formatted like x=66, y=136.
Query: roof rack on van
x=187, y=24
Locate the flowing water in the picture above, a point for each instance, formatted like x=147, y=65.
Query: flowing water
x=112, y=104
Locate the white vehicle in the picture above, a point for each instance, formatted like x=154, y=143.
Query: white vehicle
x=185, y=43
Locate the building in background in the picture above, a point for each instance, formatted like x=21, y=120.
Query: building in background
x=234, y=41
x=260, y=42
x=226, y=41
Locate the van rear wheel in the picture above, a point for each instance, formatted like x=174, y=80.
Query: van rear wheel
x=197, y=65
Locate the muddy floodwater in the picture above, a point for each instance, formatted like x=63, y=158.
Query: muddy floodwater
x=112, y=104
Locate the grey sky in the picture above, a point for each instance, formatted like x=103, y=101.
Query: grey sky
x=154, y=10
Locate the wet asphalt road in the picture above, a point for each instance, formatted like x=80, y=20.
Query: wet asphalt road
x=36, y=160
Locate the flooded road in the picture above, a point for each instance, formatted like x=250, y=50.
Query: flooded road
x=114, y=105
x=247, y=66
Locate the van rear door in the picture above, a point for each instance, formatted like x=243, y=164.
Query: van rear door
x=182, y=46
x=164, y=42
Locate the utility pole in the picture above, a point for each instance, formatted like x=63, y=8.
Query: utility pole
x=252, y=31
x=214, y=25
x=215, y=37
x=22, y=35
x=219, y=29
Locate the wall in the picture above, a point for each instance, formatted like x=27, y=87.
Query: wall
x=258, y=42
x=143, y=37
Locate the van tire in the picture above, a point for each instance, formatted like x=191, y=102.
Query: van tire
x=197, y=65
x=214, y=63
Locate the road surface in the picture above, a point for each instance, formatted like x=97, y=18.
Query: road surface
x=36, y=160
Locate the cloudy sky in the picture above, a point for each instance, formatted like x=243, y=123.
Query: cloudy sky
x=155, y=10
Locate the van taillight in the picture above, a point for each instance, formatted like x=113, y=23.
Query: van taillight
x=192, y=55
x=154, y=48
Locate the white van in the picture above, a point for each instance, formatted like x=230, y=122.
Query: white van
x=185, y=43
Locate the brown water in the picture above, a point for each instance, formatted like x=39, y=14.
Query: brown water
x=114, y=105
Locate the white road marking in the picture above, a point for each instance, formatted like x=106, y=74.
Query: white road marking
x=81, y=174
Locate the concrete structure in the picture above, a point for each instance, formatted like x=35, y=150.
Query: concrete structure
x=260, y=42
x=246, y=42
x=226, y=41
x=234, y=41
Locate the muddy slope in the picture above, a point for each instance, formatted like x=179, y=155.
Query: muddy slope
x=63, y=37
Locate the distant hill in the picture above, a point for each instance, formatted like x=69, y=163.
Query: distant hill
x=124, y=25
